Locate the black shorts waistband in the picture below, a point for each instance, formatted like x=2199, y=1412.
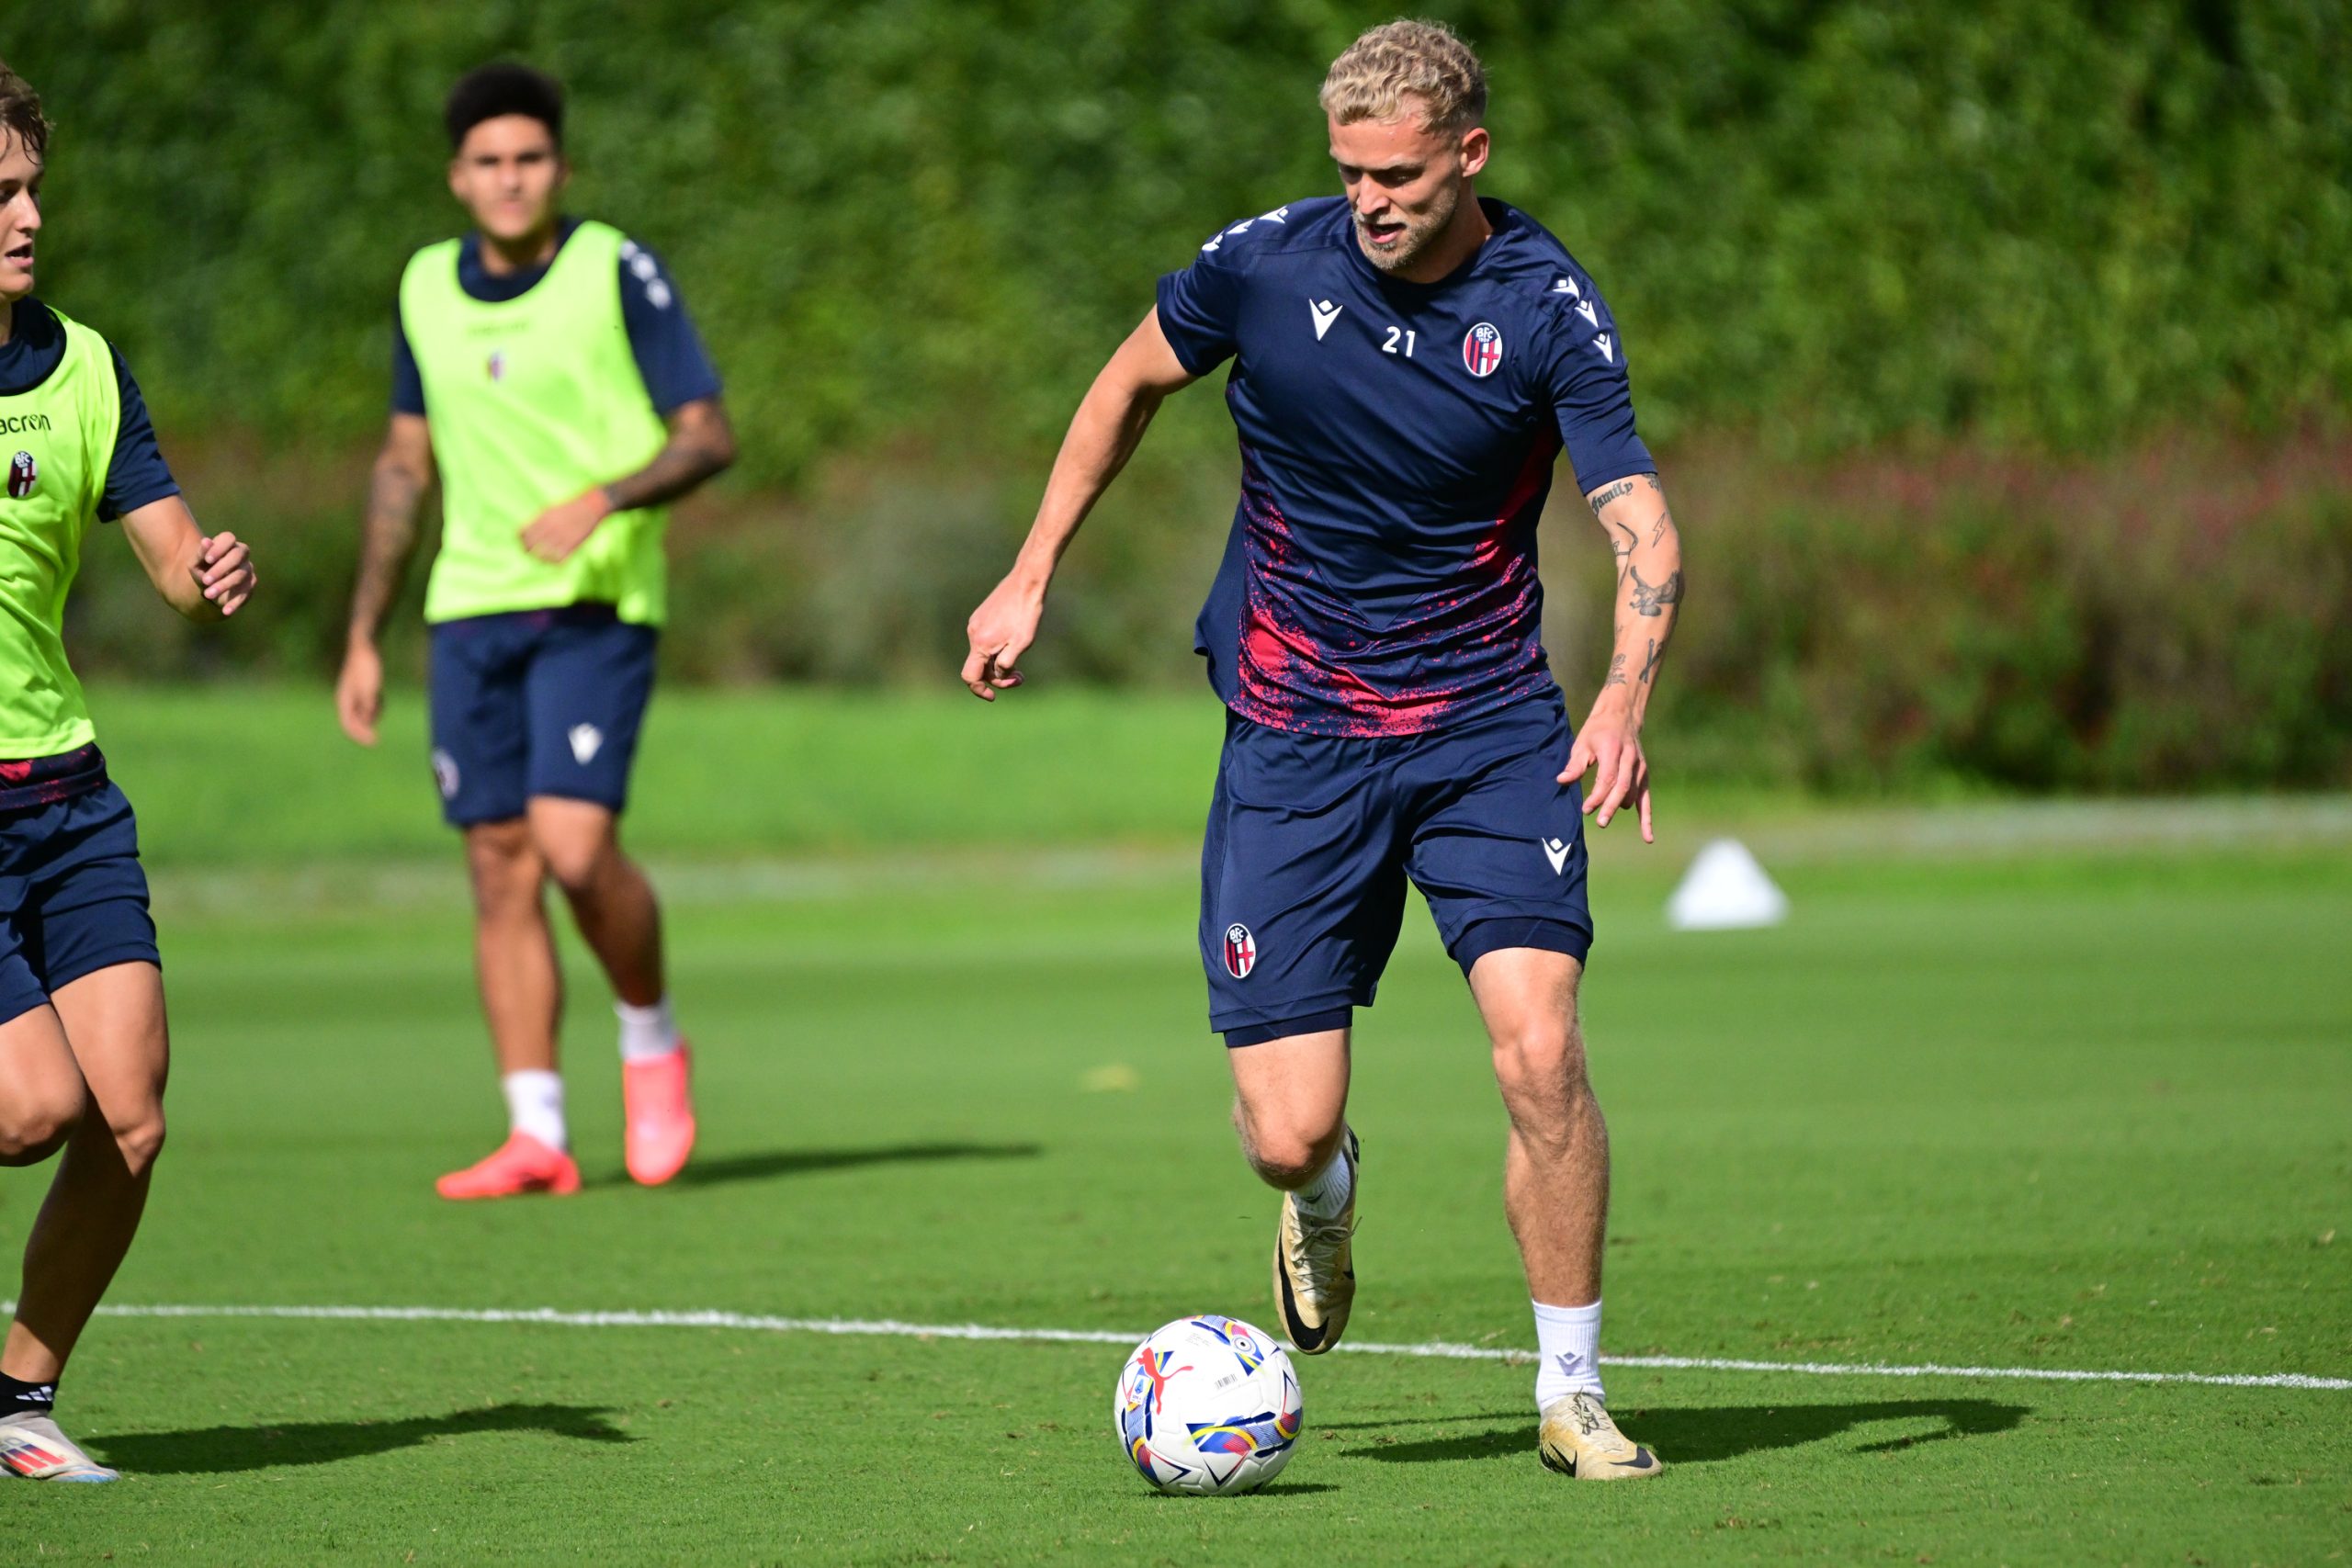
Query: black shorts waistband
x=44, y=781
x=582, y=613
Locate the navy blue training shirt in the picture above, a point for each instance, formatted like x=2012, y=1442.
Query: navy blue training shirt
x=136, y=474
x=1398, y=442
x=668, y=352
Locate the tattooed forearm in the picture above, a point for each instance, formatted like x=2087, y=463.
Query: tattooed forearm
x=701, y=444
x=1648, y=553
x=385, y=543
x=1651, y=599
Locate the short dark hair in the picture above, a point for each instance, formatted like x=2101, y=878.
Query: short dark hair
x=506, y=88
x=20, y=113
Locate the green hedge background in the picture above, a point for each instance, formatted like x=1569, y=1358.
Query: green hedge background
x=1998, y=353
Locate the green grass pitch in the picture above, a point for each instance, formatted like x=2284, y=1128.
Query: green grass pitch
x=2075, y=1106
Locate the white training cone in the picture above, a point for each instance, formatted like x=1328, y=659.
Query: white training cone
x=1725, y=890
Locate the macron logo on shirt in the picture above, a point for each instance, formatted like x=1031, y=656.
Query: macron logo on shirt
x=1325, y=313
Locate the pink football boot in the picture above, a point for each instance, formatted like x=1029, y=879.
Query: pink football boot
x=522, y=1164
x=660, y=1108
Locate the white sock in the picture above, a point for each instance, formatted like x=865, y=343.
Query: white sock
x=1326, y=1196
x=646, y=1032
x=1568, y=1342
x=535, y=1105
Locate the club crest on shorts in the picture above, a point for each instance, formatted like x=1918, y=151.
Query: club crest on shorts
x=23, y=474
x=445, y=774
x=1240, y=951
x=1482, y=349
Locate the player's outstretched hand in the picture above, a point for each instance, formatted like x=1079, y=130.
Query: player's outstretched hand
x=562, y=528
x=360, y=691
x=1610, y=746
x=1001, y=631
x=224, y=572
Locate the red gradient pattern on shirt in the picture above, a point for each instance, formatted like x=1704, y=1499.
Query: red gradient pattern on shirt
x=1311, y=662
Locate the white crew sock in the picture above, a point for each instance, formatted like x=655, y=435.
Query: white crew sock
x=1568, y=1342
x=1326, y=1197
x=535, y=1105
x=646, y=1032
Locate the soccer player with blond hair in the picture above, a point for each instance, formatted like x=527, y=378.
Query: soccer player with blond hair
x=1408, y=361
x=84, y=1044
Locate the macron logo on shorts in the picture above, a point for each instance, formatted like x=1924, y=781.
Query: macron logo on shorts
x=1557, y=851
x=586, y=741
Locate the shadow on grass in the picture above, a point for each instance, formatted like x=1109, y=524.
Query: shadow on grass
x=1275, y=1489
x=1698, y=1435
x=221, y=1451
x=781, y=1163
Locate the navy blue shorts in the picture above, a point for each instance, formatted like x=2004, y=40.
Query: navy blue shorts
x=536, y=702
x=73, y=896
x=1311, y=838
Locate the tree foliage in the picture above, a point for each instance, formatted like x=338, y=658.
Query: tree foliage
x=1828, y=221
x=2003, y=255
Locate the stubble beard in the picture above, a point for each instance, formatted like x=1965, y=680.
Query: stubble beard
x=1419, y=235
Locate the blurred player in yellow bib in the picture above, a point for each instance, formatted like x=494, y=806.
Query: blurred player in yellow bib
x=546, y=368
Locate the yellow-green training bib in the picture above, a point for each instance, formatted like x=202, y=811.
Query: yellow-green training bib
x=533, y=401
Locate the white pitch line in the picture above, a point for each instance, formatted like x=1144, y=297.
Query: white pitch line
x=894, y=1328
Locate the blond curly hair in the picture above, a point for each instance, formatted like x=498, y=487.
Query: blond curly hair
x=1422, y=62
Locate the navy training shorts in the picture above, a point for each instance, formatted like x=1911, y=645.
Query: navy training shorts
x=536, y=702
x=73, y=896
x=1311, y=838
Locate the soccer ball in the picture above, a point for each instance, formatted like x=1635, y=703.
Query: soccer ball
x=1207, y=1405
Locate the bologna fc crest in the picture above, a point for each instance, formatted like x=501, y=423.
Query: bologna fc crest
x=1482, y=349
x=497, y=365
x=1240, y=951
x=23, y=474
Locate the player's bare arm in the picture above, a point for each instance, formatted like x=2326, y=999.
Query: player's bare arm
x=1641, y=535
x=395, y=490
x=204, y=577
x=701, y=446
x=1105, y=432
